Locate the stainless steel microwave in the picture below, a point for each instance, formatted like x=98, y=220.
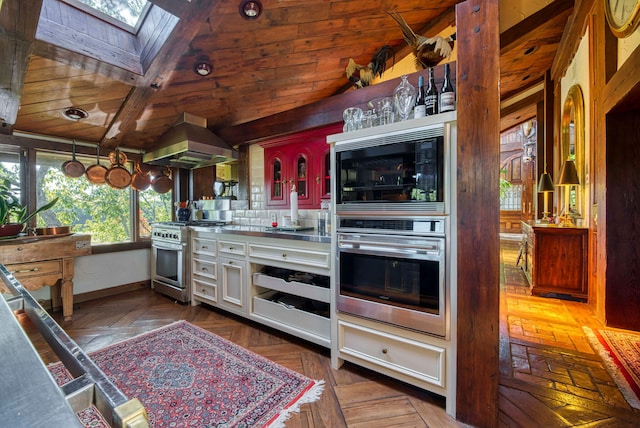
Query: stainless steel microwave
x=402, y=167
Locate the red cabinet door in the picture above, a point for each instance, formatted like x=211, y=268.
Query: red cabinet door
x=277, y=188
x=302, y=160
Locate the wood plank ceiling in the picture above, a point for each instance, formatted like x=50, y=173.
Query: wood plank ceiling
x=134, y=87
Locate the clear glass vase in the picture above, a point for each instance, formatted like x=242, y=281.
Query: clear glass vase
x=404, y=97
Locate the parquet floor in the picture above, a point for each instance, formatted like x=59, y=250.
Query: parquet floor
x=549, y=375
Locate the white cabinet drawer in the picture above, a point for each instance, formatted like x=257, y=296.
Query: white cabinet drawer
x=203, y=246
x=292, y=287
x=236, y=248
x=295, y=256
x=204, y=289
x=290, y=316
x=205, y=268
x=403, y=355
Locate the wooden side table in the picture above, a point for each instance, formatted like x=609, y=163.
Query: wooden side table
x=46, y=261
x=556, y=260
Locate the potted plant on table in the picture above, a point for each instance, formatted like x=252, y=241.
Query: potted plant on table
x=13, y=216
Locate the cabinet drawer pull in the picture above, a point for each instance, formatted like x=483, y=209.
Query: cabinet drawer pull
x=204, y=269
x=230, y=262
x=19, y=248
x=35, y=269
x=204, y=247
x=385, y=350
x=284, y=255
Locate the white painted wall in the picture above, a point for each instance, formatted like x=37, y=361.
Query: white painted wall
x=627, y=45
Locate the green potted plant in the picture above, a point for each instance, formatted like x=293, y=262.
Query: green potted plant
x=14, y=216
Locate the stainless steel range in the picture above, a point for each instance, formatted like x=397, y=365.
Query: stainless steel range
x=170, y=257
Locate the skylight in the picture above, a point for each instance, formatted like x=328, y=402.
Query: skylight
x=128, y=12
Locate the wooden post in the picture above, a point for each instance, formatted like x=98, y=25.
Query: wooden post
x=478, y=163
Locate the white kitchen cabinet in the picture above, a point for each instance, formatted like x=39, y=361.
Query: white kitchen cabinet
x=233, y=284
x=282, y=282
x=409, y=356
x=301, y=258
x=291, y=287
x=204, y=268
x=232, y=265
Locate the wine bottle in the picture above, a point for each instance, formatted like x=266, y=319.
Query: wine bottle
x=420, y=109
x=447, y=93
x=431, y=98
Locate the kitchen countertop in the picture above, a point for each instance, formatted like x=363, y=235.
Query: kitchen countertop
x=266, y=232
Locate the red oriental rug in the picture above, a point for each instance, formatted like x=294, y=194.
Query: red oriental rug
x=620, y=352
x=187, y=376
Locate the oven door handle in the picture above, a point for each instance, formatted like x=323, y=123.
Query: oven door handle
x=176, y=247
x=356, y=243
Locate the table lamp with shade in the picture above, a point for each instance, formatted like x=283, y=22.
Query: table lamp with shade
x=545, y=186
x=568, y=178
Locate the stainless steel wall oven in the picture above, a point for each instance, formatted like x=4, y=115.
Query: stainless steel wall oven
x=393, y=270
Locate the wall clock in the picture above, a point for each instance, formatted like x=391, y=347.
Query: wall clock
x=623, y=16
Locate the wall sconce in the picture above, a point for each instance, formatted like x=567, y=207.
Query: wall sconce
x=250, y=9
x=75, y=113
x=528, y=129
x=203, y=68
x=568, y=178
x=545, y=186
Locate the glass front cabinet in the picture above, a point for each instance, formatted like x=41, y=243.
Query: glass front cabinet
x=301, y=160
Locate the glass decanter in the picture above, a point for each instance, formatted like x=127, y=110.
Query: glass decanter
x=404, y=97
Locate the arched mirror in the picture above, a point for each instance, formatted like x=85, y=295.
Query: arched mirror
x=572, y=146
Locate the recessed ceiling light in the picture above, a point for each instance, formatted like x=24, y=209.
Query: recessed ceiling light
x=75, y=113
x=250, y=9
x=203, y=68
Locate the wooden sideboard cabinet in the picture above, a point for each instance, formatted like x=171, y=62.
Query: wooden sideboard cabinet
x=46, y=261
x=554, y=260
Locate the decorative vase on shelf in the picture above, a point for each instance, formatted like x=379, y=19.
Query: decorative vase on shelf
x=404, y=97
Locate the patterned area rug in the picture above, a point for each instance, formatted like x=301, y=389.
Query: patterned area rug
x=620, y=352
x=187, y=376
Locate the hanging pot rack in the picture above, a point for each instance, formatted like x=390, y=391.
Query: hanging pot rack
x=118, y=158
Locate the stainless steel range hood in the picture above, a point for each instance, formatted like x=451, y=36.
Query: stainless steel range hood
x=190, y=144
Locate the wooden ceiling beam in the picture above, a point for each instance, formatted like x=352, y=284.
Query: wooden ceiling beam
x=18, y=23
x=193, y=14
x=324, y=112
x=574, y=30
x=174, y=7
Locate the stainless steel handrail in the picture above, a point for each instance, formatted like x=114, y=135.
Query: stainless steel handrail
x=90, y=384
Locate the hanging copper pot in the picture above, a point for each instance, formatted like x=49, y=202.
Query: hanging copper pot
x=117, y=157
x=96, y=173
x=144, y=167
x=163, y=182
x=118, y=176
x=140, y=180
x=73, y=168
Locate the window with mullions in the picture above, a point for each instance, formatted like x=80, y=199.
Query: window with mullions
x=131, y=13
x=99, y=210
x=10, y=170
